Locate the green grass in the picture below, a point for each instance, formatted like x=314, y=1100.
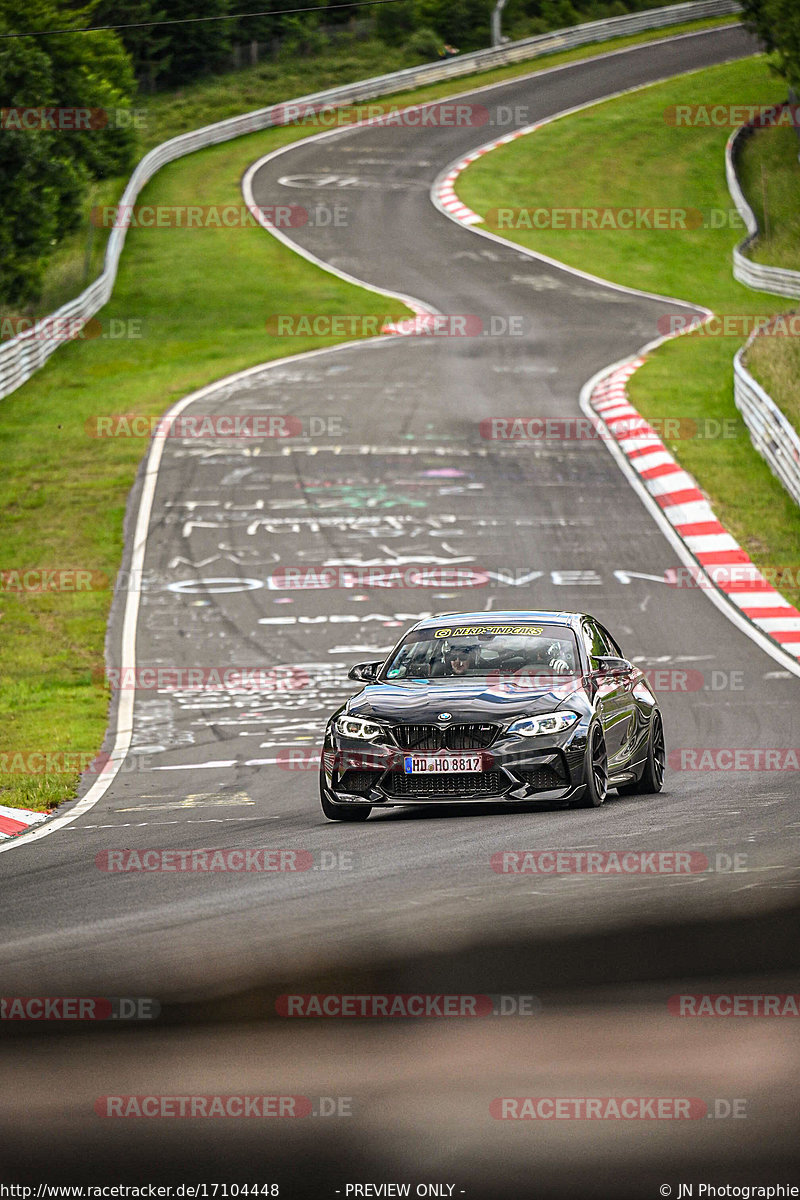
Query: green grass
x=63, y=494
x=775, y=363
x=770, y=176
x=645, y=162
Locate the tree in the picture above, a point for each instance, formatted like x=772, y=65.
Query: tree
x=462, y=23
x=777, y=24
x=45, y=164
x=146, y=43
x=394, y=23
x=196, y=47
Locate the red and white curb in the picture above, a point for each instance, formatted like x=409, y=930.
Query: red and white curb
x=722, y=564
x=444, y=191
x=17, y=820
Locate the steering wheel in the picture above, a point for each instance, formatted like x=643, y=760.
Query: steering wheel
x=513, y=662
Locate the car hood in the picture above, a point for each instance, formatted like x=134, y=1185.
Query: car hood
x=466, y=700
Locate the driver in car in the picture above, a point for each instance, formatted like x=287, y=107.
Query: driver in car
x=548, y=656
x=460, y=660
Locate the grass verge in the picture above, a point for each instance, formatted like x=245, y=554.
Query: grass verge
x=775, y=363
x=769, y=172
x=648, y=163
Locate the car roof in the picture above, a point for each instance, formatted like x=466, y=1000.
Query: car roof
x=505, y=616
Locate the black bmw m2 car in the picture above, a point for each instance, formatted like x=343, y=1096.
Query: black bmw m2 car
x=496, y=708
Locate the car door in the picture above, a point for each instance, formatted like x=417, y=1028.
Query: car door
x=613, y=695
x=635, y=728
x=626, y=702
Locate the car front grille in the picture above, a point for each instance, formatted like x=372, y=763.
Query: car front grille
x=484, y=783
x=453, y=737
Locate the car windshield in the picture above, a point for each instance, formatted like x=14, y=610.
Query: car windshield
x=521, y=649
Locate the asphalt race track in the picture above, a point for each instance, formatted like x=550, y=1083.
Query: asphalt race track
x=390, y=471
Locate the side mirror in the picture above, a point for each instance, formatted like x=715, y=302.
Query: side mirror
x=365, y=672
x=609, y=664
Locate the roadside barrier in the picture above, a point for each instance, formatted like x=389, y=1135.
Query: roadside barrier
x=771, y=433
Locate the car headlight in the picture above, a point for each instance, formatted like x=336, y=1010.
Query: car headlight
x=546, y=723
x=357, y=727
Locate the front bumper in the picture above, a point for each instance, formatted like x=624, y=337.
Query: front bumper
x=515, y=770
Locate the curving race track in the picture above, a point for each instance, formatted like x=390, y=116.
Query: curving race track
x=406, y=479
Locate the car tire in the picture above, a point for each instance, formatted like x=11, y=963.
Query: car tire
x=595, y=769
x=338, y=812
x=652, y=777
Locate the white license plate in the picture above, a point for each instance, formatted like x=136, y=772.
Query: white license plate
x=442, y=764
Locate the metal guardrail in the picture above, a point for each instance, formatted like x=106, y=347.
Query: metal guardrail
x=25, y=354
x=780, y=281
x=771, y=433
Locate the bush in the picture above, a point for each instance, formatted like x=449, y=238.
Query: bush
x=394, y=23
x=423, y=46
